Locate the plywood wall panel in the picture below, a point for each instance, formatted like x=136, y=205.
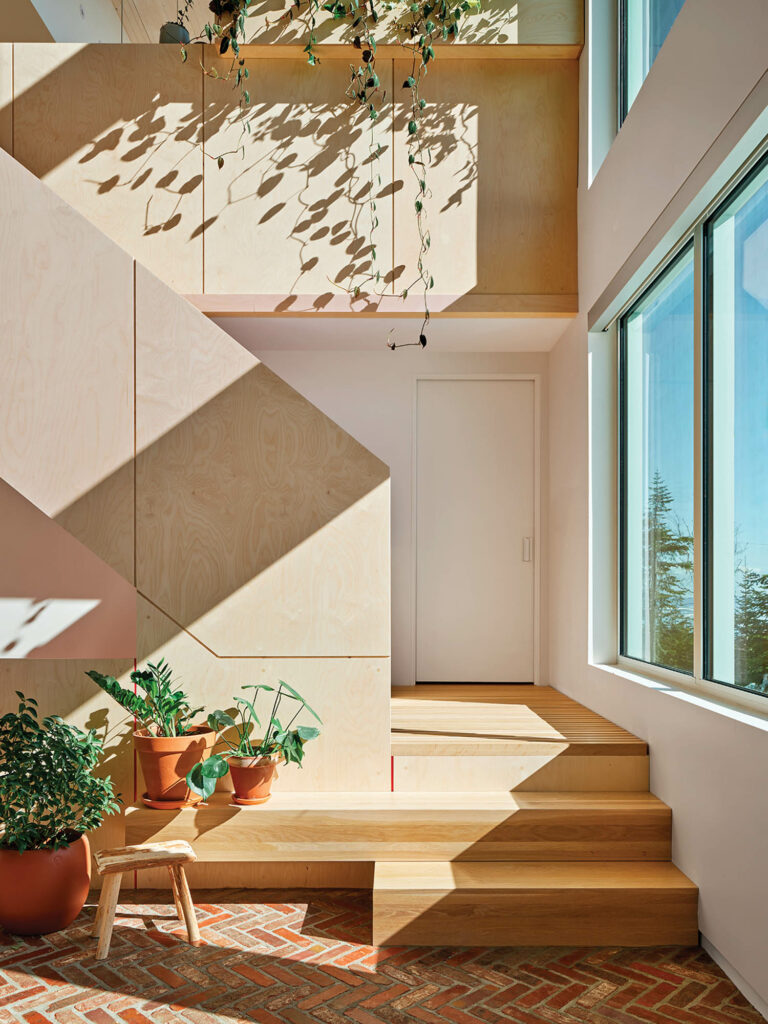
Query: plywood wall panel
x=351, y=695
x=57, y=599
x=499, y=22
x=114, y=130
x=292, y=216
x=6, y=97
x=66, y=393
x=502, y=139
x=262, y=526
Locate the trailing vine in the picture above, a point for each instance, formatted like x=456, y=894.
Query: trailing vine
x=228, y=30
x=418, y=23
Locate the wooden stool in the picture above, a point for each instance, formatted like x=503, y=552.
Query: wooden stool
x=112, y=863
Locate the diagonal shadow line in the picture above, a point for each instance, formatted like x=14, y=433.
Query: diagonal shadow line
x=512, y=737
x=281, y=472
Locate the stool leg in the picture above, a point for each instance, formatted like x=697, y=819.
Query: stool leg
x=193, y=932
x=109, y=894
x=99, y=912
x=176, y=900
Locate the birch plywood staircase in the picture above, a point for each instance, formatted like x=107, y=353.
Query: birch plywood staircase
x=516, y=817
x=584, y=861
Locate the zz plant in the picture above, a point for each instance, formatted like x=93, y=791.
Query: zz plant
x=278, y=741
x=163, y=709
x=49, y=795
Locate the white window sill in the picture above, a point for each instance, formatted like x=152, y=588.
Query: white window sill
x=737, y=705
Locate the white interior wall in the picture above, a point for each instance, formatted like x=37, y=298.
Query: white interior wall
x=709, y=763
x=371, y=394
x=80, y=21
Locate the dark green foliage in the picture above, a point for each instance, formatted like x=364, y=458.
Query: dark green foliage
x=48, y=794
x=670, y=582
x=278, y=741
x=163, y=710
x=751, y=631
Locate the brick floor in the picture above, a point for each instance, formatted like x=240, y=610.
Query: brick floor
x=306, y=958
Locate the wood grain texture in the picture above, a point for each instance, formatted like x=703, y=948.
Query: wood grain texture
x=351, y=695
x=522, y=773
x=510, y=209
x=502, y=720
x=6, y=97
x=262, y=527
x=296, y=207
x=413, y=827
x=500, y=22
x=61, y=600
x=145, y=855
x=262, y=875
x=307, y=178
x=497, y=904
x=114, y=131
x=66, y=396
x=341, y=304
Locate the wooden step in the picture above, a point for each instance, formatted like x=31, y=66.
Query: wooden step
x=416, y=826
x=529, y=904
x=521, y=773
x=462, y=721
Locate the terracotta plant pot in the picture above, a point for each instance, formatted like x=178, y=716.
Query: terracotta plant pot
x=252, y=778
x=165, y=761
x=42, y=891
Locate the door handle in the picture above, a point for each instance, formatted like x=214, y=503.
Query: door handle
x=527, y=548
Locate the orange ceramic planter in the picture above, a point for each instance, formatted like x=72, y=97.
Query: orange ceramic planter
x=252, y=778
x=165, y=761
x=42, y=891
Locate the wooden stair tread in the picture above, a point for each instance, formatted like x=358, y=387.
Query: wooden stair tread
x=521, y=720
x=533, y=904
x=467, y=876
x=417, y=826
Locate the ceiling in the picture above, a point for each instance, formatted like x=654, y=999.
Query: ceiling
x=445, y=334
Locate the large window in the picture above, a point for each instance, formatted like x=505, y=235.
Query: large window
x=657, y=345
x=644, y=25
x=736, y=595
x=694, y=368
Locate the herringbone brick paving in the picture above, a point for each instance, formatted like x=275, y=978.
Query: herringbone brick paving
x=306, y=958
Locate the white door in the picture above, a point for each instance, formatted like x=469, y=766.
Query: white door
x=475, y=550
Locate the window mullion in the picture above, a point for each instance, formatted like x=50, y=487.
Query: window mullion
x=698, y=452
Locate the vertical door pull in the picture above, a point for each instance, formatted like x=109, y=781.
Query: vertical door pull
x=527, y=545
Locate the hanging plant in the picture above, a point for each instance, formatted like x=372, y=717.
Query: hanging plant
x=418, y=25
x=227, y=31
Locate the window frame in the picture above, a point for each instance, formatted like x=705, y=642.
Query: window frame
x=687, y=247
x=699, y=681
x=707, y=401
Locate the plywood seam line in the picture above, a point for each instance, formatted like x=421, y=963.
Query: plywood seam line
x=202, y=171
x=259, y=657
x=394, y=205
x=13, y=100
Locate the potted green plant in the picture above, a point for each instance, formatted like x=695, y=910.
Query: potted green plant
x=49, y=801
x=167, y=742
x=177, y=31
x=253, y=761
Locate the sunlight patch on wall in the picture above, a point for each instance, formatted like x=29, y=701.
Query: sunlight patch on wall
x=27, y=623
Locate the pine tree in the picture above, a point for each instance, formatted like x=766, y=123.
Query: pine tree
x=751, y=629
x=670, y=575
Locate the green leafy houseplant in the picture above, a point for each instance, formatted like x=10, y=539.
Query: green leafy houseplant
x=48, y=793
x=166, y=740
x=163, y=710
x=277, y=742
x=49, y=800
